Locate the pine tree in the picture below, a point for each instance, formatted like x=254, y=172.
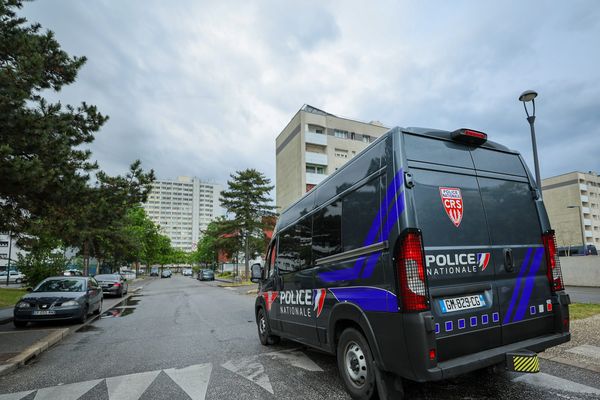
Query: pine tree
x=247, y=198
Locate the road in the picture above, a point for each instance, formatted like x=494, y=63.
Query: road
x=181, y=339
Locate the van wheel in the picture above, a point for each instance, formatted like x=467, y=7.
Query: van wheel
x=266, y=339
x=355, y=363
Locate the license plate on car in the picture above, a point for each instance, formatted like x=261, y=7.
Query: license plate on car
x=462, y=303
x=43, y=312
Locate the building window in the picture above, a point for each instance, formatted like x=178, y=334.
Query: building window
x=366, y=139
x=315, y=169
x=340, y=134
x=341, y=153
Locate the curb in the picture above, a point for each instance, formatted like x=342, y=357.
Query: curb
x=566, y=361
x=44, y=344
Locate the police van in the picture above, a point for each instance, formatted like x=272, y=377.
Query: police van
x=428, y=255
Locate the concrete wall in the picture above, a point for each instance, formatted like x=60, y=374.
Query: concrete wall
x=581, y=271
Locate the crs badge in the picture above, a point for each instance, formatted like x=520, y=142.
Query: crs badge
x=453, y=204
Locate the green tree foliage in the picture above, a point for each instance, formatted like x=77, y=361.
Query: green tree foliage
x=247, y=199
x=41, y=156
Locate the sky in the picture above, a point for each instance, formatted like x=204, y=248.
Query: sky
x=202, y=88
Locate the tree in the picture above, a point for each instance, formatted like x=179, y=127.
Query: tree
x=247, y=198
x=41, y=157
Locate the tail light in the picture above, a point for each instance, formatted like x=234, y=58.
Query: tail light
x=469, y=136
x=116, y=284
x=411, y=273
x=553, y=271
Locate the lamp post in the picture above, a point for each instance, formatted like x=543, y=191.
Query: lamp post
x=526, y=97
x=9, y=257
x=582, y=225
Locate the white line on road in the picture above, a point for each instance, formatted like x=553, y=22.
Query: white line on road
x=251, y=369
x=556, y=383
x=193, y=380
x=15, y=396
x=586, y=350
x=72, y=391
x=295, y=358
x=129, y=387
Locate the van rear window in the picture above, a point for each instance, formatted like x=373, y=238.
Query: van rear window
x=430, y=150
x=497, y=161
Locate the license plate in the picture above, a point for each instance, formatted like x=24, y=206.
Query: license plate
x=462, y=303
x=43, y=312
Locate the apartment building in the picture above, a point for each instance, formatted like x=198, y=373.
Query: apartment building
x=573, y=204
x=183, y=208
x=8, y=246
x=313, y=145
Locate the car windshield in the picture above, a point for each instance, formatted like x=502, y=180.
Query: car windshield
x=60, y=285
x=107, y=277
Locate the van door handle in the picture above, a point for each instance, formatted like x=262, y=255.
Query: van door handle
x=509, y=262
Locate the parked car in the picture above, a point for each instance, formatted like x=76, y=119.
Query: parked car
x=588, y=250
x=187, y=272
x=114, y=284
x=13, y=277
x=59, y=298
x=128, y=274
x=73, y=272
x=166, y=273
x=206, y=275
x=154, y=271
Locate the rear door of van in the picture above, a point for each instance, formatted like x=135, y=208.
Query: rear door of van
x=483, y=244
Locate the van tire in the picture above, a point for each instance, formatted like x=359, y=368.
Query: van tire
x=264, y=332
x=356, y=364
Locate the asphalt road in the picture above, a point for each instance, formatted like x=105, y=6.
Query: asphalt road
x=580, y=294
x=181, y=339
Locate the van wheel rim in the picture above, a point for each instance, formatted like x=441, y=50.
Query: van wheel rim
x=262, y=325
x=356, y=364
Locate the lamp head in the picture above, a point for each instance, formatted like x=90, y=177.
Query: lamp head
x=528, y=95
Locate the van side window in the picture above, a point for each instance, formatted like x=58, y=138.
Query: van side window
x=295, y=247
x=327, y=226
x=271, y=260
x=360, y=212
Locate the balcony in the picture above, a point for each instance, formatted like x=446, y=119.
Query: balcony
x=584, y=199
x=583, y=187
x=315, y=138
x=587, y=222
x=314, y=179
x=315, y=158
x=588, y=234
x=585, y=210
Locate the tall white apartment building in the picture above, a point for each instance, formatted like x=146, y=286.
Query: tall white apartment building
x=573, y=204
x=313, y=145
x=8, y=246
x=183, y=209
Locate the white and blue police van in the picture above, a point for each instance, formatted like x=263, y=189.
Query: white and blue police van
x=428, y=255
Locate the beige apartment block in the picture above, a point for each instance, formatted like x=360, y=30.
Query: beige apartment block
x=183, y=208
x=313, y=145
x=573, y=204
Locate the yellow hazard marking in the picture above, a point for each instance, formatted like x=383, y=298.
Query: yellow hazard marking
x=526, y=363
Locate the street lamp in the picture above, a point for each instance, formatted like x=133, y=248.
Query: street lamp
x=526, y=97
x=9, y=256
x=582, y=225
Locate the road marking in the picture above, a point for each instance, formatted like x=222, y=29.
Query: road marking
x=72, y=391
x=15, y=396
x=193, y=380
x=129, y=387
x=556, y=383
x=295, y=358
x=250, y=368
x=586, y=350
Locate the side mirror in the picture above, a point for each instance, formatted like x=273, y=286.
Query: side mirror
x=256, y=273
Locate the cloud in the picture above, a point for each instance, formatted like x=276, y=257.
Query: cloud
x=203, y=88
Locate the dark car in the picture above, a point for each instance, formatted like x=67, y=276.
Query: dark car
x=166, y=273
x=206, y=275
x=114, y=284
x=154, y=271
x=59, y=298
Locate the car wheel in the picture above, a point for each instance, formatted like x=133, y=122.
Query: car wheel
x=121, y=293
x=19, y=324
x=264, y=332
x=18, y=280
x=355, y=363
x=84, y=314
x=99, y=310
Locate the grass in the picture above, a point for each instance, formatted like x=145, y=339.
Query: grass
x=8, y=297
x=581, y=310
x=237, y=284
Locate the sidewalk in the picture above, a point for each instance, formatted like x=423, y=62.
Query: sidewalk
x=18, y=346
x=583, y=350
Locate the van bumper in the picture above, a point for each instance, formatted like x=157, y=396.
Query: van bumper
x=486, y=358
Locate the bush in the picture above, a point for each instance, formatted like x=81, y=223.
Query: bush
x=37, y=267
